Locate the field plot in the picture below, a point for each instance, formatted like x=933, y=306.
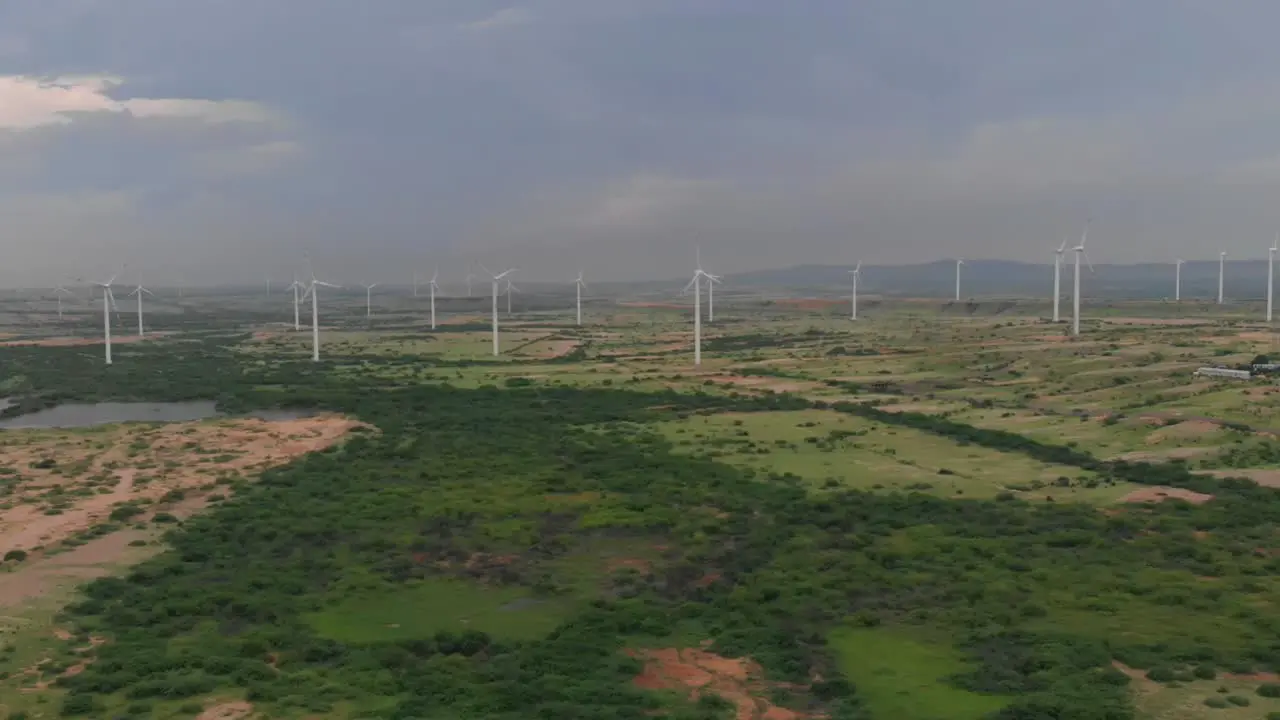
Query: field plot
x=833, y=450
x=82, y=504
x=902, y=677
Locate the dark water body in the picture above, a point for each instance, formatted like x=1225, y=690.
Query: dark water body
x=77, y=415
x=74, y=415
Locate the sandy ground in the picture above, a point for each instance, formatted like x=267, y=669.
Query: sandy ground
x=1183, y=430
x=227, y=711
x=92, y=473
x=1160, y=493
x=698, y=672
x=1183, y=453
x=556, y=348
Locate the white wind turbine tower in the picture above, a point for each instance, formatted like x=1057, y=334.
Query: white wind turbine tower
x=58, y=292
x=510, y=288
x=108, y=304
x=296, y=286
x=1271, y=272
x=579, y=284
x=1177, y=279
x=854, y=274
x=469, y=276
x=496, y=279
x=696, y=284
x=1057, y=278
x=1222, y=267
x=433, y=287
x=368, y=301
x=959, y=263
x=139, y=291
x=712, y=281
x=1075, y=300
x=315, y=312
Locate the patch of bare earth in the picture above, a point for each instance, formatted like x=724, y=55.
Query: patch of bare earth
x=65, y=483
x=698, y=673
x=235, y=710
x=1183, y=430
x=1184, y=453
x=556, y=348
x=1160, y=493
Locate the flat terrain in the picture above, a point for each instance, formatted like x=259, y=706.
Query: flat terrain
x=941, y=511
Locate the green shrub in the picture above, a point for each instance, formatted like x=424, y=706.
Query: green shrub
x=1269, y=690
x=1238, y=700
x=1215, y=702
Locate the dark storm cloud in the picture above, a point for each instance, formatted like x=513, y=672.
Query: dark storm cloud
x=616, y=134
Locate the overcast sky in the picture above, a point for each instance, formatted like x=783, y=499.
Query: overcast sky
x=217, y=140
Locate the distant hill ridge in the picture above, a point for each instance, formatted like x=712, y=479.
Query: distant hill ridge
x=1245, y=279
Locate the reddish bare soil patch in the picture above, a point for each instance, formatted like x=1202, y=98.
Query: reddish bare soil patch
x=1160, y=493
x=700, y=673
x=235, y=710
x=173, y=467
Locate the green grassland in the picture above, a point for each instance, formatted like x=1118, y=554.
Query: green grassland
x=902, y=677
x=515, y=525
x=833, y=450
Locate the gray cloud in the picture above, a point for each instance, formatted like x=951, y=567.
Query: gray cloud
x=616, y=134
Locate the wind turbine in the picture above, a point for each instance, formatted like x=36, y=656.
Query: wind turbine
x=296, y=286
x=1075, y=300
x=1271, y=272
x=139, y=291
x=1057, y=277
x=496, y=279
x=433, y=287
x=854, y=274
x=510, y=287
x=959, y=262
x=579, y=284
x=108, y=303
x=368, y=301
x=315, y=311
x=696, y=284
x=1177, y=279
x=1222, y=268
x=469, y=276
x=58, y=292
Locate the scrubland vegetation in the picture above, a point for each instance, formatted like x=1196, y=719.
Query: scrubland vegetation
x=880, y=545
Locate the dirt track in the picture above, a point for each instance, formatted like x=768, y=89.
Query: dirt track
x=60, y=484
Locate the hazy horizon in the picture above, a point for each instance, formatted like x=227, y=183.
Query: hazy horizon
x=209, y=142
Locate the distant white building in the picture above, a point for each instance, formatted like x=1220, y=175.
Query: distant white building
x=1224, y=372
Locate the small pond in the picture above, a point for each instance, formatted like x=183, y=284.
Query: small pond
x=74, y=415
